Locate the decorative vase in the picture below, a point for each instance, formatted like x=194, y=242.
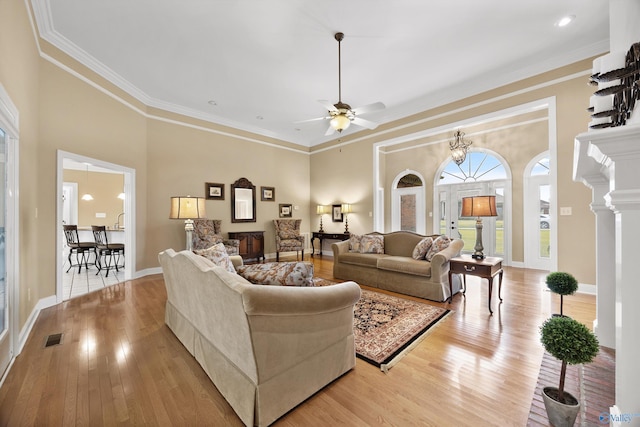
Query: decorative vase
x=560, y=414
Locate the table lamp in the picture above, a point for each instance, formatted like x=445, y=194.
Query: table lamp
x=478, y=206
x=187, y=208
x=321, y=210
x=346, y=209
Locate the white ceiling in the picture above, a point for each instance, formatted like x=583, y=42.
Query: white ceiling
x=266, y=63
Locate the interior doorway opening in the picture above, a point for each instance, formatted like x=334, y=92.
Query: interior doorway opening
x=67, y=211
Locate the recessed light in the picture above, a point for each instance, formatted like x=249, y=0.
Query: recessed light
x=259, y=117
x=566, y=20
x=212, y=102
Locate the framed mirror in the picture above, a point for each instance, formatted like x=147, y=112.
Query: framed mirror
x=243, y=201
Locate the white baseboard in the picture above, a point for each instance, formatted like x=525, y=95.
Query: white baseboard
x=585, y=288
x=147, y=272
x=28, y=326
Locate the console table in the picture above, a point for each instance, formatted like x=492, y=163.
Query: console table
x=330, y=236
x=486, y=268
x=251, y=244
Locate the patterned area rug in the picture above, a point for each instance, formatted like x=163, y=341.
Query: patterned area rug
x=386, y=327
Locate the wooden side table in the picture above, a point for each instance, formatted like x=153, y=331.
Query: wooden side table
x=486, y=268
x=331, y=236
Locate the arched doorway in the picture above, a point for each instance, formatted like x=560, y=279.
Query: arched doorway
x=483, y=172
x=538, y=214
x=407, y=203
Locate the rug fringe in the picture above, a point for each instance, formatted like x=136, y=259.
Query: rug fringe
x=386, y=366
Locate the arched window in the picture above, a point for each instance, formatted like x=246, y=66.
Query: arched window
x=478, y=166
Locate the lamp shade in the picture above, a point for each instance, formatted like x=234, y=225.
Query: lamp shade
x=322, y=209
x=479, y=206
x=346, y=208
x=187, y=207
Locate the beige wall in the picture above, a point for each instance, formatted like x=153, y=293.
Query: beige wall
x=60, y=111
x=105, y=188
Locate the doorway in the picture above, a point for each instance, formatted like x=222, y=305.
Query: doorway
x=122, y=227
x=538, y=214
x=408, y=206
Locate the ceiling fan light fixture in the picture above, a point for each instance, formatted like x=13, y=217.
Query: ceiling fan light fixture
x=340, y=122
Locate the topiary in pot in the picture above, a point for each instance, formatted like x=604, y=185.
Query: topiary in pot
x=562, y=284
x=572, y=343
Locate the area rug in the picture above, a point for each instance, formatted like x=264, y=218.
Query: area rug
x=386, y=327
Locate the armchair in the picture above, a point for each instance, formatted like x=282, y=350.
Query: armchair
x=288, y=238
x=208, y=232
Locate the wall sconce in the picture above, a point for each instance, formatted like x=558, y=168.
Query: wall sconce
x=479, y=206
x=321, y=210
x=187, y=208
x=346, y=209
x=459, y=147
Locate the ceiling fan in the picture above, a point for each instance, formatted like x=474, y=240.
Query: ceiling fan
x=341, y=115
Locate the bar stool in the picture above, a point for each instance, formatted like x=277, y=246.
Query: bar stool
x=111, y=252
x=81, y=249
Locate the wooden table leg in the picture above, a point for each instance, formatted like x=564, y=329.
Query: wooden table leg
x=500, y=285
x=450, y=299
x=490, y=279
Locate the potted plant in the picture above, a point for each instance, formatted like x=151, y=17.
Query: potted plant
x=572, y=343
x=563, y=284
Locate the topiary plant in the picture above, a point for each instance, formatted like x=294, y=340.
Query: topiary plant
x=563, y=284
x=569, y=341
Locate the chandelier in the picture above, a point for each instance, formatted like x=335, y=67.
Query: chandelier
x=459, y=147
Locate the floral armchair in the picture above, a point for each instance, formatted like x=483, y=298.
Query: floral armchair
x=208, y=232
x=288, y=238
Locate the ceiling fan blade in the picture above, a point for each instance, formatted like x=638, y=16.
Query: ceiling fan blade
x=328, y=105
x=369, y=108
x=313, y=120
x=364, y=123
x=330, y=131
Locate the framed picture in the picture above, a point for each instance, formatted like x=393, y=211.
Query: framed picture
x=285, y=211
x=336, y=213
x=213, y=191
x=268, y=194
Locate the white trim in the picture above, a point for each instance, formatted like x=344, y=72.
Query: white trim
x=47, y=302
x=585, y=288
x=129, y=220
x=532, y=257
x=419, y=192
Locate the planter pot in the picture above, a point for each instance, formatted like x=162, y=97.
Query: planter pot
x=560, y=414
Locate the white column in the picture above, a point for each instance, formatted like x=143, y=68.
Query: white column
x=605, y=324
x=619, y=150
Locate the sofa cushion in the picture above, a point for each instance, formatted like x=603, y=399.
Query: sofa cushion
x=367, y=260
x=405, y=265
x=421, y=249
x=372, y=244
x=278, y=273
x=218, y=255
x=440, y=243
x=354, y=243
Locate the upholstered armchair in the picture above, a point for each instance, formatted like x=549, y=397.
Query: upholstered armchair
x=288, y=238
x=208, y=232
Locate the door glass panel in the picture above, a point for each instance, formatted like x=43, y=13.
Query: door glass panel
x=545, y=221
x=442, y=214
x=499, y=222
x=408, y=212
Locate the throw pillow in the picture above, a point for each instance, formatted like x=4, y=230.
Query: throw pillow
x=218, y=255
x=279, y=273
x=354, y=243
x=421, y=249
x=442, y=242
x=372, y=244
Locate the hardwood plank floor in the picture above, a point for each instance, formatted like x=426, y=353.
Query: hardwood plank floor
x=118, y=364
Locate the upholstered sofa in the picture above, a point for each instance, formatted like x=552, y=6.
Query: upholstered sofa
x=395, y=269
x=266, y=348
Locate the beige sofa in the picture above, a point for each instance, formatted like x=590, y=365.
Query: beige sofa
x=266, y=348
x=395, y=270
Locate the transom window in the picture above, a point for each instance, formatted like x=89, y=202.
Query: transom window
x=478, y=166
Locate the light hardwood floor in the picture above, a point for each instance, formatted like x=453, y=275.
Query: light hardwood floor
x=119, y=364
